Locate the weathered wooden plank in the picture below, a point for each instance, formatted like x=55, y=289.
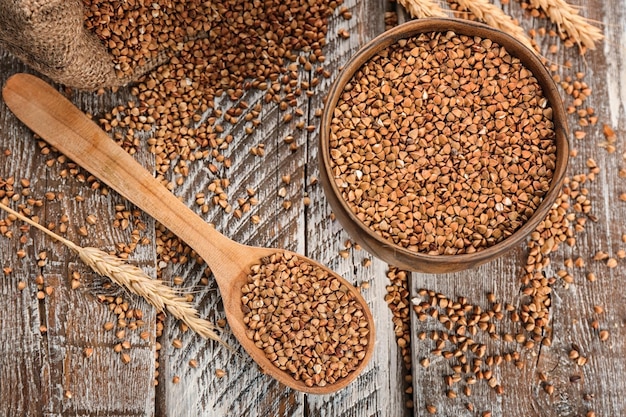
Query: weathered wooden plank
x=379, y=390
x=68, y=382
x=501, y=278
x=239, y=391
x=280, y=228
x=76, y=317
x=21, y=359
x=45, y=365
x=293, y=228
x=576, y=389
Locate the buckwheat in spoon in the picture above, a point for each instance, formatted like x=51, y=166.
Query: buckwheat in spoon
x=302, y=323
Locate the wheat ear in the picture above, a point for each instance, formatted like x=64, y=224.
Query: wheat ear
x=419, y=9
x=495, y=17
x=570, y=23
x=134, y=279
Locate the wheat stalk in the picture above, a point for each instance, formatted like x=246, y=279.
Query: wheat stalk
x=134, y=279
x=570, y=23
x=495, y=17
x=419, y=9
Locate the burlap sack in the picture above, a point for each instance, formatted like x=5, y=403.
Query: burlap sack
x=50, y=36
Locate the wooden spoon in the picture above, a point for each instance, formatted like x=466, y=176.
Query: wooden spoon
x=62, y=125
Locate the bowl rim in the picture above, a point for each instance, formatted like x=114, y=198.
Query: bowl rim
x=529, y=59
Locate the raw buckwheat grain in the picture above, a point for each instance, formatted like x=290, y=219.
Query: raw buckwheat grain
x=443, y=144
x=306, y=321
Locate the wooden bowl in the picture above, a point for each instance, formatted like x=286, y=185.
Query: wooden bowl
x=410, y=259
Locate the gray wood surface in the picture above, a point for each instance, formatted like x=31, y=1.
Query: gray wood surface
x=598, y=385
x=54, y=376
x=47, y=373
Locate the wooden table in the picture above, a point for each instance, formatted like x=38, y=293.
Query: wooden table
x=43, y=339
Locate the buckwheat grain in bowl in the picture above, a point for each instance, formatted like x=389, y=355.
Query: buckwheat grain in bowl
x=443, y=145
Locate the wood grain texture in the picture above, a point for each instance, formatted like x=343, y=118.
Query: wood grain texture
x=23, y=362
x=37, y=368
x=237, y=393
x=62, y=381
x=379, y=391
x=297, y=229
x=577, y=389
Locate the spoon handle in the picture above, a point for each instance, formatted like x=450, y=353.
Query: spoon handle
x=44, y=110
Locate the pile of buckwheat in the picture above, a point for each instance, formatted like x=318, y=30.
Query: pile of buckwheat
x=443, y=143
x=209, y=56
x=305, y=320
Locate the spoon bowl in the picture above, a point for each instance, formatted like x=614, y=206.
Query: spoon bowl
x=50, y=115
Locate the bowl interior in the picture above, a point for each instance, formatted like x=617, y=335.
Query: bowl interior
x=396, y=254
